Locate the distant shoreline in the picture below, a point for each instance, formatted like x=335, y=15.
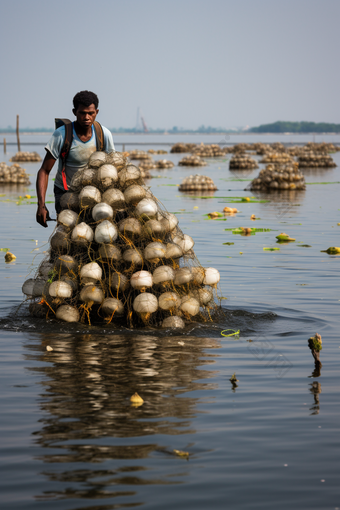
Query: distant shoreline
x=195, y=133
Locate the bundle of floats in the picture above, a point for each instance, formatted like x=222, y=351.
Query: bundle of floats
x=315, y=159
x=208, y=151
x=13, y=174
x=26, y=157
x=197, y=183
x=279, y=177
x=116, y=256
x=192, y=161
x=150, y=164
x=242, y=161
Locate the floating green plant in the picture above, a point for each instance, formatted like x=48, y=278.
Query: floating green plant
x=229, y=244
x=271, y=249
x=247, y=231
x=283, y=238
x=333, y=250
x=334, y=182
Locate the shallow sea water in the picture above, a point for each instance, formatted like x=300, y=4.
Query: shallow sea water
x=70, y=438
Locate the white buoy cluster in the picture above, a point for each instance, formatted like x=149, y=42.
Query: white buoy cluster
x=197, y=183
x=13, y=174
x=208, y=151
x=241, y=161
x=279, y=177
x=117, y=257
x=311, y=159
x=192, y=161
x=26, y=156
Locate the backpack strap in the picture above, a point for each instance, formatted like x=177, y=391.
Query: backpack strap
x=99, y=135
x=66, y=146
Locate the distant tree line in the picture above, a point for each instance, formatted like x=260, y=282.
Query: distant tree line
x=296, y=127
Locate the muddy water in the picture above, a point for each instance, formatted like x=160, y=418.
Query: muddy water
x=70, y=438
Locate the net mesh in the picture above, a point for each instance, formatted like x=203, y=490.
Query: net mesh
x=111, y=220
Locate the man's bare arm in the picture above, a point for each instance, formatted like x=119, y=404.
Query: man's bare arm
x=41, y=185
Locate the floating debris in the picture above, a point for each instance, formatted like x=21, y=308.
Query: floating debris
x=9, y=256
x=49, y=348
x=282, y=238
x=230, y=210
x=315, y=345
x=333, y=250
x=136, y=399
x=180, y=453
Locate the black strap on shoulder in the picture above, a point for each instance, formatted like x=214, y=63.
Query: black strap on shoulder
x=99, y=135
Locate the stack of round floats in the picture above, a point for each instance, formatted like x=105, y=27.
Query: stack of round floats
x=26, y=156
x=13, y=174
x=242, y=162
x=275, y=177
x=280, y=158
x=147, y=164
x=197, y=183
x=164, y=163
x=240, y=147
x=315, y=160
x=180, y=147
x=192, y=161
x=117, y=257
x=159, y=151
x=138, y=154
x=208, y=151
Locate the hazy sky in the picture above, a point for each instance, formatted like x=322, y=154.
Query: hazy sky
x=183, y=62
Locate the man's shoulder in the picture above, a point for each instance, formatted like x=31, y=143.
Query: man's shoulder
x=106, y=131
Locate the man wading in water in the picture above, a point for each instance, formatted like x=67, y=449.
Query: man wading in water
x=72, y=144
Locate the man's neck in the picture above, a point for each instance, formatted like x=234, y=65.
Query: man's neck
x=84, y=133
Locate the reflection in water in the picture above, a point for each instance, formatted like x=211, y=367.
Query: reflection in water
x=315, y=389
x=88, y=381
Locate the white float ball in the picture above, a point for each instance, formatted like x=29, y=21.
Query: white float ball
x=102, y=211
x=212, y=276
x=141, y=279
x=105, y=232
x=145, y=303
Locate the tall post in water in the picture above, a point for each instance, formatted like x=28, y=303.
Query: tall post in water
x=18, y=138
x=5, y=146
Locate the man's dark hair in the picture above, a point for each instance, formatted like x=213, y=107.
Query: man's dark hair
x=86, y=98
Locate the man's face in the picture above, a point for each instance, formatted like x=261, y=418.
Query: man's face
x=86, y=115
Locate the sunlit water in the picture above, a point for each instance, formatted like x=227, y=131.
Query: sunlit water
x=70, y=438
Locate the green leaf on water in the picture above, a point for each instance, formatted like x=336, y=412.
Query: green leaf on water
x=4, y=249
x=334, y=182
x=305, y=245
x=229, y=243
x=271, y=249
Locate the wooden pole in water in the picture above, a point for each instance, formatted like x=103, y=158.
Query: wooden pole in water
x=18, y=138
x=4, y=145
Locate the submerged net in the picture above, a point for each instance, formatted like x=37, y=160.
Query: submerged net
x=117, y=256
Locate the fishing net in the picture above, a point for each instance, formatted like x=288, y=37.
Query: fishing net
x=117, y=256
